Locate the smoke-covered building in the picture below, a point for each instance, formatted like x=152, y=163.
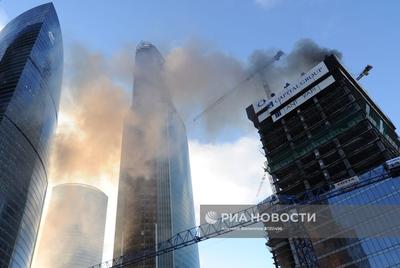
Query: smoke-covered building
x=155, y=198
x=316, y=132
x=74, y=228
x=31, y=59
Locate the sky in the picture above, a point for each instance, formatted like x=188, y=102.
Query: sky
x=366, y=32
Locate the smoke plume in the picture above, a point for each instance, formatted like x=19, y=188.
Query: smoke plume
x=97, y=95
x=86, y=147
x=198, y=77
x=76, y=218
x=88, y=140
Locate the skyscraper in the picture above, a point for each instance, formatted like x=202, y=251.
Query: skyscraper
x=73, y=231
x=317, y=132
x=371, y=227
x=155, y=197
x=31, y=59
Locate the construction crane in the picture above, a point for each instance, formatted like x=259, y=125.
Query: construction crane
x=261, y=183
x=264, y=177
x=207, y=231
x=277, y=56
x=365, y=72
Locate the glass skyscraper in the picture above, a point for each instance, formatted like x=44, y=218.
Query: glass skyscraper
x=75, y=223
x=155, y=198
x=369, y=239
x=31, y=58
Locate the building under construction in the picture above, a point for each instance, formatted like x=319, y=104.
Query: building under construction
x=317, y=132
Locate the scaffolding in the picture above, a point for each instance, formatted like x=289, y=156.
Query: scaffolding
x=337, y=133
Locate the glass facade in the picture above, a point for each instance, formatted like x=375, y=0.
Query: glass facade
x=376, y=250
x=155, y=198
x=75, y=222
x=31, y=58
x=181, y=186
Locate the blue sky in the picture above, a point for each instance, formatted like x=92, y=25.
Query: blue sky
x=366, y=32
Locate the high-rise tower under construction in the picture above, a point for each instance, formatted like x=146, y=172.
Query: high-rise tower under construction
x=318, y=131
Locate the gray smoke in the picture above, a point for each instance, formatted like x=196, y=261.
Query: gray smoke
x=97, y=94
x=197, y=77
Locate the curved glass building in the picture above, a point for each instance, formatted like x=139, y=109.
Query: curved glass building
x=155, y=199
x=75, y=222
x=31, y=58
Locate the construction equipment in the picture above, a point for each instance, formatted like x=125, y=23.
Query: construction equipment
x=262, y=179
x=207, y=231
x=261, y=183
x=365, y=72
x=277, y=56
